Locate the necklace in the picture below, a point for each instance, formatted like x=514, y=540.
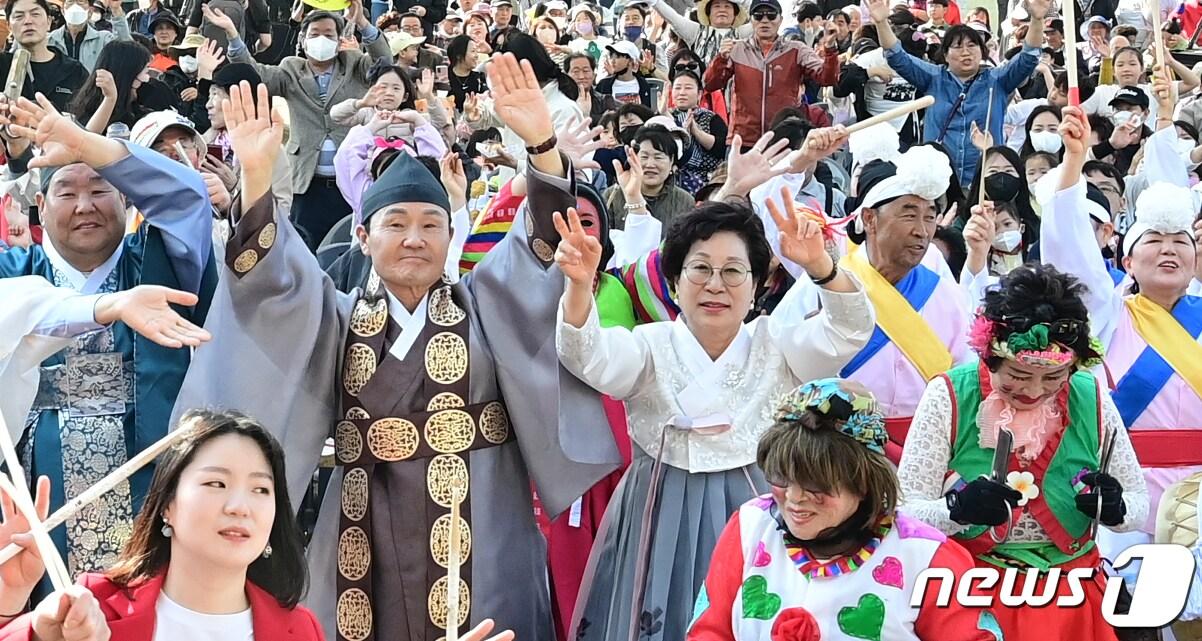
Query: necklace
x=814, y=569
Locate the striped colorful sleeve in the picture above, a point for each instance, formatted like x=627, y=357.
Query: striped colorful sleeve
x=644, y=280
x=489, y=229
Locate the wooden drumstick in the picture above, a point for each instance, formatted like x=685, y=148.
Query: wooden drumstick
x=896, y=112
x=106, y=484
x=60, y=578
x=1070, y=52
x=453, y=562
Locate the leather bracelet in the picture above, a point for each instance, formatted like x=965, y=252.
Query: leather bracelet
x=829, y=277
x=543, y=147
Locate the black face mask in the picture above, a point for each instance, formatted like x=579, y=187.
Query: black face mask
x=1003, y=187
x=626, y=134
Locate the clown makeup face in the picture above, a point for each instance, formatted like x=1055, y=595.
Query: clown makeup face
x=1025, y=386
x=808, y=514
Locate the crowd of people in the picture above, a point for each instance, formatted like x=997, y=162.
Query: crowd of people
x=596, y=321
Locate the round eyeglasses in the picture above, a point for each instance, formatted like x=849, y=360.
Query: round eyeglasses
x=731, y=275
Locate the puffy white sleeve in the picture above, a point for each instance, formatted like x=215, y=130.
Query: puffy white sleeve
x=1067, y=242
x=820, y=345
x=925, y=459
x=974, y=286
x=611, y=360
x=1125, y=468
x=640, y=237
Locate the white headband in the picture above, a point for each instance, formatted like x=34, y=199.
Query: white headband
x=1164, y=208
x=922, y=171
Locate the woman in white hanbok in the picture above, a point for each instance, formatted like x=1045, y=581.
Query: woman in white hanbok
x=699, y=392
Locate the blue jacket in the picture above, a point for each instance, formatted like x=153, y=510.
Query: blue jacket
x=937, y=81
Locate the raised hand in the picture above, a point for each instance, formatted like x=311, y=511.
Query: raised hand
x=1074, y=129
x=765, y=160
x=630, y=179
x=425, y=84
x=1038, y=9
x=61, y=140
x=577, y=141
x=982, y=140
x=106, y=84
x=578, y=254
x=20, y=574
x=147, y=311
x=518, y=99
x=801, y=239
x=471, y=107
x=255, y=128
x=208, y=58
x=878, y=10
x=978, y=236
x=372, y=97
x=71, y=615
x=726, y=47
x=823, y=142
x=218, y=19
x=454, y=179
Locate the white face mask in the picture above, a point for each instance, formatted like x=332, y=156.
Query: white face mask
x=1008, y=241
x=188, y=64
x=1120, y=118
x=321, y=48
x=75, y=15
x=1048, y=141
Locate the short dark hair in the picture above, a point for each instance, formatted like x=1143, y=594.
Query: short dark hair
x=661, y=140
x=1085, y=85
x=638, y=109
x=957, y=249
x=410, y=14
x=314, y=16
x=958, y=34
x=786, y=114
x=1189, y=128
x=457, y=49
x=284, y=574
x=1034, y=294
x=8, y=6
x=567, y=62
x=1106, y=169
x=836, y=14
x=701, y=224
x=794, y=130
x=1139, y=55
x=687, y=73
x=637, y=7
x=808, y=11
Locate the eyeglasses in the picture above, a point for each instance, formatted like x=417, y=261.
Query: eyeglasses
x=692, y=66
x=767, y=16
x=732, y=275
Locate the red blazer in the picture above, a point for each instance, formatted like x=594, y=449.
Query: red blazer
x=131, y=616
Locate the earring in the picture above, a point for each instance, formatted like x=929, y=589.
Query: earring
x=167, y=530
x=267, y=551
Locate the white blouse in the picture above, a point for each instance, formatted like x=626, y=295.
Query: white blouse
x=925, y=459
x=717, y=409
x=174, y=622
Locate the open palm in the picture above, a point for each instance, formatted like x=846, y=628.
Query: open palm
x=256, y=129
x=578, y=254
x=518, y=99
x=60, y=139
x=146, y=309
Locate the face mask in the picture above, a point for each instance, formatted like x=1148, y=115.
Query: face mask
x=188, y=64
x=584, y=28
x=1047, y=141
x=560, y=22
x=546, y=36
x=1183, y=147
x=321, y=48
x=1120, y=118
x=626, y=134
x=1003, y=187
x=633, y=33
x=1008, y=241
x=75, y=15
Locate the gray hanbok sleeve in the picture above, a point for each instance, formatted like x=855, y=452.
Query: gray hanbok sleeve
x=561, y=426
x=278, y=324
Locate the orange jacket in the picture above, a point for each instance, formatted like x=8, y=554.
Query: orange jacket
x=765, y=84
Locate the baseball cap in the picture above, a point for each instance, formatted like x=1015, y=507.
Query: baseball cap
x=191, y=41
x=498, y=3
x=554, y=4
x=234, y=73
x=625, y=48
x=1056, y=25
x=152, y=125
x=1130, y=96
x=399, y=41
x=756, y=4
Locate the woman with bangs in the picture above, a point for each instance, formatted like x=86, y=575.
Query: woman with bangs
x=1040, y=513
x=825, y=555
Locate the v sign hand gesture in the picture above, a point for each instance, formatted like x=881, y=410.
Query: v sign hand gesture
x=578, y=254
x=801, y=239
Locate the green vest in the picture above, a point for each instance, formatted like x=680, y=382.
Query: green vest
x=1055, y=509
x=614, y=307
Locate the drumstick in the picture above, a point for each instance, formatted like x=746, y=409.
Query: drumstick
x=453, y=562
x=896, y=112
x=984, y=152
x=1158, y=39
x=19, y=492
x=114, y=478
x=60, y=578
x=1070, y=52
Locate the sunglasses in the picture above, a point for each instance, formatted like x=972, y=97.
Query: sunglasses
x=692, y=66
x=1065, y=330
x=765, y=15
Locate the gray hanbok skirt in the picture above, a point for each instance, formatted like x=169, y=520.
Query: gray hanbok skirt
x=688, y=515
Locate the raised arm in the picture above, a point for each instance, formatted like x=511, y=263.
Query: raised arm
x=688, y=30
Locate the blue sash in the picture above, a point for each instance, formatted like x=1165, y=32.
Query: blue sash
x=1149, y=373
x=1116, y=275
x=916, y=287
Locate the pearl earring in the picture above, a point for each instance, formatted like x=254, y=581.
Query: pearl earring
x=267, y=551
x=167, y=530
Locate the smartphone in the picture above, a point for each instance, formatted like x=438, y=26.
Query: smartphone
x=441, y=74
x=216, y=152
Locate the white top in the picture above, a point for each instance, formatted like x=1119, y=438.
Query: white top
x=717, y=408
x=174, y=622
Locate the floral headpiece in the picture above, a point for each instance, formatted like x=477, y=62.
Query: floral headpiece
x=854, y=407
x=1033, y=347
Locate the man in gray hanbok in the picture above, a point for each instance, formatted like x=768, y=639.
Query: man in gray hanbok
x=429, y=389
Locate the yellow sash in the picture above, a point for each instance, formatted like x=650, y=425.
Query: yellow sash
x=1165, y=335
x=899, y=321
